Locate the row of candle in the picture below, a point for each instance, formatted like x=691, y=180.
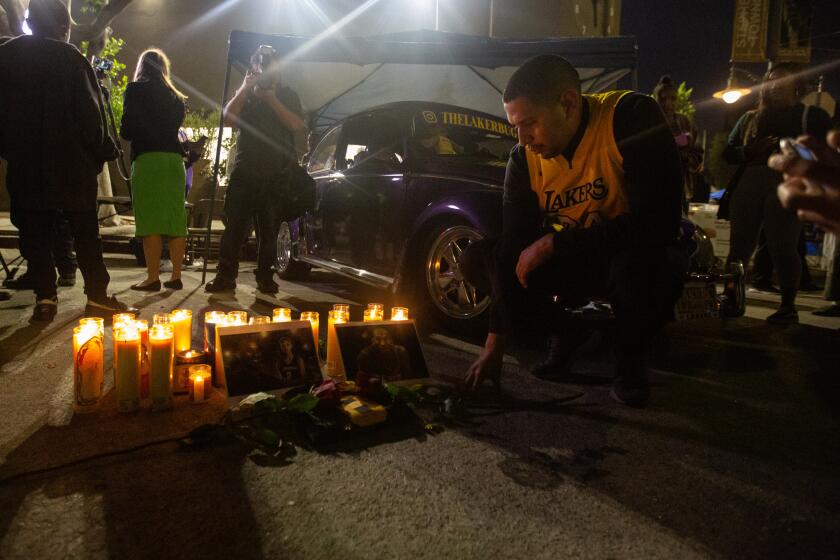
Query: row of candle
x=144, y=354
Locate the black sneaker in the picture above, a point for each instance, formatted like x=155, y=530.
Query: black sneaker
x=67, y=280
x=631, y=385
x=830, y=311
x=219, y=284
x=784, y=316
x=45, y=310
x=267, y=286
x=107, y=306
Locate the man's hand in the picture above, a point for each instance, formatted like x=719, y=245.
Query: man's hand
x=812, y=188
x=488, y=365
x=535, y=255
x=250, y=81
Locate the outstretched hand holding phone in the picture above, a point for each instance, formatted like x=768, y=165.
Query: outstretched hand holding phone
x=812, y=179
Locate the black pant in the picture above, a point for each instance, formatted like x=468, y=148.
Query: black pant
x=38, y=233
x=242, y=209
x=642, y=285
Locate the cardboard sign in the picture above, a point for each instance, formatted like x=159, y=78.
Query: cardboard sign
x=389, y=350
x=254, y=358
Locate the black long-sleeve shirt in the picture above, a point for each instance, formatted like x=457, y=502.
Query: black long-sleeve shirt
x=653, y=182
x=152, y=115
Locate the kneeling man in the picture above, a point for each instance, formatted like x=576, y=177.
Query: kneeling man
x=592, y=207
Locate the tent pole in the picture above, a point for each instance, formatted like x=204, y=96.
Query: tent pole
x=216, y=170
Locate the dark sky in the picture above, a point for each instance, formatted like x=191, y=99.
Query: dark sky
x=691, y=40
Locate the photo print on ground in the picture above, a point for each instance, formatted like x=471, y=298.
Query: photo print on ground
x=268, y=357
x=387, y=349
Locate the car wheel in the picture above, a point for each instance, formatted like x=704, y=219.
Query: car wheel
x=286, y=265
x=450, y=299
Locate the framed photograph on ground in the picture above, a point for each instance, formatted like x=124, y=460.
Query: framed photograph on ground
x=253, y=358
x=387, y=349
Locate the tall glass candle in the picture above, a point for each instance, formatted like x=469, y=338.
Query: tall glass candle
x=88, y=366
x=399, y=313
x=145, y=367
x=120, y=319
x=281, y=315
x=342, y=307
x=259, y=320
x=181, y=320
x=127, y=369
x=335, y=366
x=98, y=322
x=161, y=341
x=211, y=319
x=313, y=318
x=199, y=383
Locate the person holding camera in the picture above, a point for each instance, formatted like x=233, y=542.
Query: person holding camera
x=267, y=116
x=53, y=135
x=153, y=112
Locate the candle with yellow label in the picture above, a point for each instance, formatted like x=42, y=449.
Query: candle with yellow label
x=374, y=312
x=88, y=366
x=199, y=383
x=181, y=320
x=259, y=320
x=127, y=368
x=399, y=313
x=314, y=320
x=282, y=315
x=161, y=341
x=335, y=366
x=236, y=318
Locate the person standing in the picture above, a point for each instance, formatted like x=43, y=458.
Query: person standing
x=754, y=203
x=53, y=134
x=153, y=112
x=267, y=116
x=685, y=135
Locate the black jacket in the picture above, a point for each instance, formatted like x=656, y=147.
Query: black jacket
x=152, y=115
x=52, y=127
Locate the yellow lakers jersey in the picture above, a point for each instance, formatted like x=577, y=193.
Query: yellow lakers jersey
x=582, y=192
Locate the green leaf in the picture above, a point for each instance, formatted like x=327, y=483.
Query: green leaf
x=269, y=438
x=302, y=403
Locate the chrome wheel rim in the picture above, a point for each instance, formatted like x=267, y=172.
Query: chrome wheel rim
x=445, y=283
x=284, y=247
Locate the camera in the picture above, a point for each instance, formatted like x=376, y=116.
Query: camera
x=102, y=65
x=263, y=61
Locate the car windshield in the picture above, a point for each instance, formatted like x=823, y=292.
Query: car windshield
x=461, y=134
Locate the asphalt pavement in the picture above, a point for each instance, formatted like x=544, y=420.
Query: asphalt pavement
x=737, y=456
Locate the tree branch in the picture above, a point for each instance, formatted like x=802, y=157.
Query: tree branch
x=97, y=31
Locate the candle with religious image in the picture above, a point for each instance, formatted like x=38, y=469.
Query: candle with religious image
x=88, y=366
x=127, y=368
x=335, y=366
x=97, y=322
x=199, y=383
x=181, y=320
x=399, y=313
x=211, y=320
x=162, y=351
x=282, y=315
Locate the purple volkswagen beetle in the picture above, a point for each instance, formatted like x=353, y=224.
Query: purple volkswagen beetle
x=401, y=190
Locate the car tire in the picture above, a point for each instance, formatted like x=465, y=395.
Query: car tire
x=439, y=287
x=287, y=267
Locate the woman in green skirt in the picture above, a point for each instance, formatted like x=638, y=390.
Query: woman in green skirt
x=153, y=111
